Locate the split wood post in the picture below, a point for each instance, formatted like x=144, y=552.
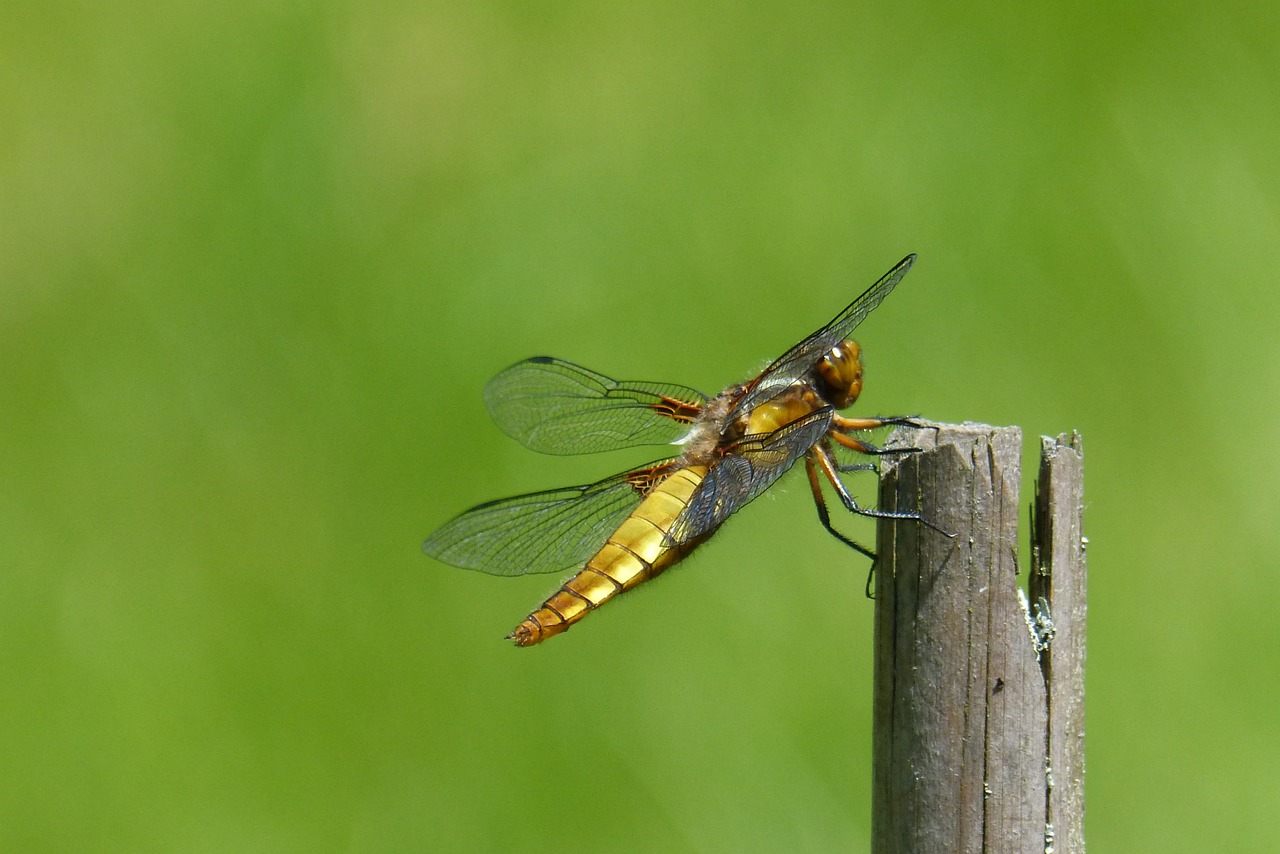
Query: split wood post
x=978, y=726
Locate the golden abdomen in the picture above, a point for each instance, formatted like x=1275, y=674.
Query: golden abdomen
x=635, y=552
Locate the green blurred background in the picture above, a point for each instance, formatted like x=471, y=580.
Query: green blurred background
x=257, y=261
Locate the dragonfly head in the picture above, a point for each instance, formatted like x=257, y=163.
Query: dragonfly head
x=841, y=373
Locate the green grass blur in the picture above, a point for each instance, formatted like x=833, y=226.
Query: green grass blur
x=257, y=261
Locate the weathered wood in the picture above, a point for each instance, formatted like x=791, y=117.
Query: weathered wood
x=1059, y=577
x=961, y=706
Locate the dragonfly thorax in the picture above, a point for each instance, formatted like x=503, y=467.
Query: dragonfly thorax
x=841, y=373
x=709, y=429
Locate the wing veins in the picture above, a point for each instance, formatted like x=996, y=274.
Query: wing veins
x=556, y=407
x=539, y=532
x=793, y=364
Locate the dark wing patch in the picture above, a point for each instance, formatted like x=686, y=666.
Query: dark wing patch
x=556, y=407
x=542, y=532
x=793, y=364
x=748, y=469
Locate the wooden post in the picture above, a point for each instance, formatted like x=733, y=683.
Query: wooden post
x=1058, y=577
x=978, y=737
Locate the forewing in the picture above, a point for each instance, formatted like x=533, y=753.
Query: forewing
x=556, y=407
x=794, y=363
x=541, y=532
x=747, y=470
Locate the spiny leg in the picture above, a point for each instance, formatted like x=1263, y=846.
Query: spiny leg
x=822, y=458
x=827, y=463
x=821, y=504
x=842, y=423
x=829, y=468
x=841, y=427
x=864, y=447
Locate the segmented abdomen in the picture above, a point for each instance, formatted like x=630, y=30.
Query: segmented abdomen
x=635, y=552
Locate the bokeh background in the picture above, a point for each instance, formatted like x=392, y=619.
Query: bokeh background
x=258, y=260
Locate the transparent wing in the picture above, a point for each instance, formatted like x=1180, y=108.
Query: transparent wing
x=541, y=532
x=794, y=363
x=557, y=407
x=747, y=470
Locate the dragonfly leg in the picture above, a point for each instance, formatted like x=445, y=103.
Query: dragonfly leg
x=843, y=423
x=821, y=504
x=829, y=468
x=864, y=447
x=821, y=458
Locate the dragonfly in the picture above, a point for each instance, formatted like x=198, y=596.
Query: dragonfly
x=626, y=529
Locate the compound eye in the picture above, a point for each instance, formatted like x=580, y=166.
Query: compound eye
x=841, y=371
